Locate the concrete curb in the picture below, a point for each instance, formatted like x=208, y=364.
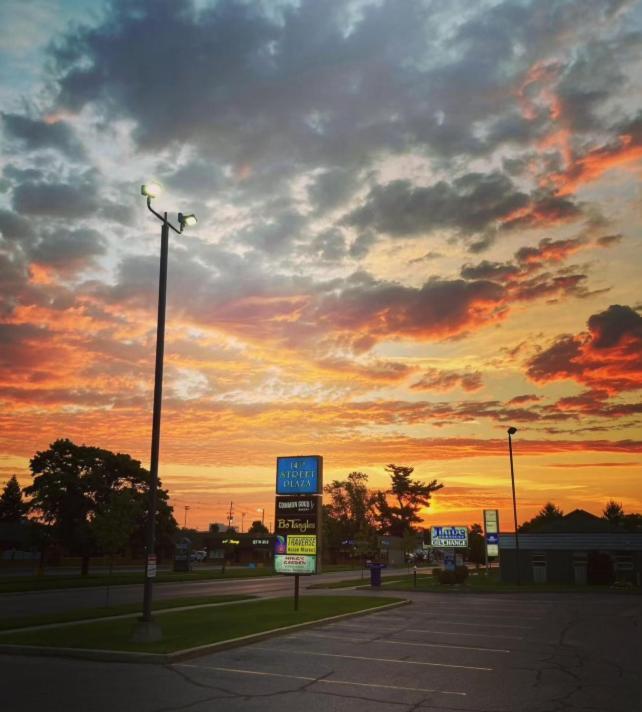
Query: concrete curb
x=185, y=654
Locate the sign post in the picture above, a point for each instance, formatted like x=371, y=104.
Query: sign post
x=297, y=519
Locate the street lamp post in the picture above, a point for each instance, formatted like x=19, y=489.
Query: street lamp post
x=262, y=510
x=148, y=631
x=511, y=431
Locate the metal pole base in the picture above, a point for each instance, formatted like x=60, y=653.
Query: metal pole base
x=146, y=632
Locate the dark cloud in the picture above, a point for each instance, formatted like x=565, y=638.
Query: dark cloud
x=607, y=357
x=14, y=226
x=614, y=327
x=67, y=250
x=200, y=178
x=58, y=200
x=332, y=188
x=35, y=135
x=548, y=251
x=469, y=204
x=434, y=379
x=490, y=270
x=608, y=240
x=330, y=246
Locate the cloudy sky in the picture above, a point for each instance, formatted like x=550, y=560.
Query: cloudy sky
x=419, y=223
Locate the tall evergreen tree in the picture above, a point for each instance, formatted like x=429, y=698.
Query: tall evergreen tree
x=398, y=507
x=12, y=506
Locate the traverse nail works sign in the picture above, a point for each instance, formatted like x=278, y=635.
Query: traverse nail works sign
x=297, y=518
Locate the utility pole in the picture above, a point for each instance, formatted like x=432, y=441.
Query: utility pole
x=230, y=516
x=187, y=508
x=242, y=521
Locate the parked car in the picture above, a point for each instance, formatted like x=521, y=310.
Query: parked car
x=198, y=555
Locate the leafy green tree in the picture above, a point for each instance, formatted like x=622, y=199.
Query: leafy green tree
x=348, y=518
x=548, y=513
x=476, y=545
x=72, y=484
x=614, y=512
x=112, y=526
x=12, y=506
x=398, y=507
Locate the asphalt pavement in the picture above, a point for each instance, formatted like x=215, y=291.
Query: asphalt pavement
x=481, y=653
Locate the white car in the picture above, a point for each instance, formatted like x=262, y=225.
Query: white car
x=199, y=555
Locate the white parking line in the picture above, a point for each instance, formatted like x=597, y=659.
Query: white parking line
x=387, y=641
x=487, y=625
x=321, y=681
x=355, y=626
x=378, y=660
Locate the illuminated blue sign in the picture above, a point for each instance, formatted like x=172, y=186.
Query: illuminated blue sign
x=299, y=475
x=448, y=537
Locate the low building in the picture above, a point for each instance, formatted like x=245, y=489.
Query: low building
x=578, y=548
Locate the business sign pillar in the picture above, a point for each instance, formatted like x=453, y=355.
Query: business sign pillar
x=491, y=533
x=297, y=518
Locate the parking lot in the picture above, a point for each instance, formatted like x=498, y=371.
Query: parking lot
x=442, y=652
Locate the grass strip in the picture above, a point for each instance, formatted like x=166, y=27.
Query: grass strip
x=106, y=612
x=200, y=626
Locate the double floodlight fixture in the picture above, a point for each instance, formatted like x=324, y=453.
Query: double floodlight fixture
x=153, y=190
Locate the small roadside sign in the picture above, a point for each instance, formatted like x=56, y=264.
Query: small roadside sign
x=151, y=566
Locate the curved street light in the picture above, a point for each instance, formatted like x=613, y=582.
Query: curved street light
x=148, y=630
x=511, y=431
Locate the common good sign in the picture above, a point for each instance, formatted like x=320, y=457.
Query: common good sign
x=448, y=537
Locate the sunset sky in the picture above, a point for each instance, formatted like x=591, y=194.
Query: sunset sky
x=419, y=223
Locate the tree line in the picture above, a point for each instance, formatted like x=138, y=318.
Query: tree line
x=355, y=517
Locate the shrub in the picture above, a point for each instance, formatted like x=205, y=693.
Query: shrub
x=459, y=575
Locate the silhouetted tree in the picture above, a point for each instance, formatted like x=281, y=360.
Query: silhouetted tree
x=348, y=518
x=72, y=484
x=476, y=544
x=12, y=506
x=408, y=497
x=257, y=527
x=549, y=512
x=613, y=511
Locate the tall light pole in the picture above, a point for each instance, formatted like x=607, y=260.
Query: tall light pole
x=511, y=431
x=262, y=510
x=187, y=508
x=147, y=631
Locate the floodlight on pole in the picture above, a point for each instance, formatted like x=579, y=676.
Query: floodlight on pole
x=187, y=220
x=511, y=431
x=147, y=630
x=151, y=190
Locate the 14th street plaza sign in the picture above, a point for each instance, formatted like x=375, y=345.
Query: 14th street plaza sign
x=449, y=537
